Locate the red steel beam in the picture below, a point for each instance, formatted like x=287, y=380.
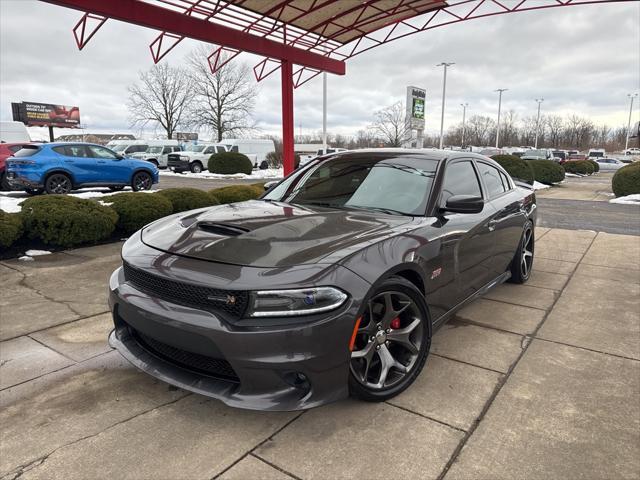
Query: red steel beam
x=163, y=19
x=288, y=154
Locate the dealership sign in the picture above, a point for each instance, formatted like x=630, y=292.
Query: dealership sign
x=416, y=107
x=46, y=114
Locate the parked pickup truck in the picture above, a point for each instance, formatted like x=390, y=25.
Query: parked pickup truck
x=158, y=154
x=194, y=158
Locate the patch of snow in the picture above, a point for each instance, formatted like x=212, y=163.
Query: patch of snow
x=105, y=204
x=633, y=199
x=568, y=174
x=26, y=258
x=10, y=201
x=539, y=186
x=255, y=175
x=35, y=253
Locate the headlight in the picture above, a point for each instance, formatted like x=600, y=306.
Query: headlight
x=288, y=303
x=184, y=157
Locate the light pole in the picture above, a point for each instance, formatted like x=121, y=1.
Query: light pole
x=626, y=143
x=539, y=100
x=500, y=90
x=464, y=115
x=324, y=111
x=444, y=91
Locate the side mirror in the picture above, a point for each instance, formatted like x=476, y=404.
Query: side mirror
x=119, y=157
x=269, y=185
x=464, y=204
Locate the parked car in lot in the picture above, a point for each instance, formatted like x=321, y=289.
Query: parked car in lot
x=609, y=164
x=596, y=153
x=62, y=167
x=332, y=283
x=632, y=151
x=574, y=157
x=158, y=153
x=7, y=150
x=538, y=154
x=194, y=157
x=128, y=147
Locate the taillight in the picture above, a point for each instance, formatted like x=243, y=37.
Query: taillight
x=20, y=162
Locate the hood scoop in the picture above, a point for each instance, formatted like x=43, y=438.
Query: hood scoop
x=222, y=229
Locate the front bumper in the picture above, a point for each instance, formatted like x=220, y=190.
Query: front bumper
x=287, y=367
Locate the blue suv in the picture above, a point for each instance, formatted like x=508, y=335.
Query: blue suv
x=62, y=167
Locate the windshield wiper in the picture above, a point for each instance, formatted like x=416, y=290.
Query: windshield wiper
x=389, y=211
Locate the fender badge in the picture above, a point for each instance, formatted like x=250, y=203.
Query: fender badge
x=436, y=273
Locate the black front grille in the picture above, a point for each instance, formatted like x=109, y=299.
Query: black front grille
x=201, y=364
x=228, y=302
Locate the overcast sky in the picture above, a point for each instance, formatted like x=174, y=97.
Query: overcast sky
x=582, y=59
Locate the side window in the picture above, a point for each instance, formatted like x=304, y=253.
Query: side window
x=505, y=181
x=491, y=178
x=59, y=150
x=220, y=149
x=15, y=148
x=100, y=152
x=74, y=151
x=166, y=150
x=460, y=179
x=210, y=150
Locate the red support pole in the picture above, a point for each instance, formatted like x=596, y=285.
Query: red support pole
x=288, y=155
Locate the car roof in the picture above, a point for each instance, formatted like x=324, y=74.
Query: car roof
x=427, y=153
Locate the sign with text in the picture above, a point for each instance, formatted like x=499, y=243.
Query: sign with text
x=46, y=114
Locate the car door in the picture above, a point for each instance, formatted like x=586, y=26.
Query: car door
x=509, y=217
x=111, y=169
x=77, y=160
x=467, y=242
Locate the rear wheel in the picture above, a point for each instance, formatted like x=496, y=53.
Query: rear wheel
x=141, y=181
x=58, y=183
x=522, y=263
x=196, y=167
x=392, y=341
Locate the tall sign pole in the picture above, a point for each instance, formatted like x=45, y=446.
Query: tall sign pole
x=464, y=115
x=539, y=100
x=444, y=92
x=626, y=143
x=324, y=111
x=500, y=90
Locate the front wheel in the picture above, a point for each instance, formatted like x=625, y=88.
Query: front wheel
x=392, y=341
x=141, y=181
x=196, y=167
x=58, y=183
x=522, y=263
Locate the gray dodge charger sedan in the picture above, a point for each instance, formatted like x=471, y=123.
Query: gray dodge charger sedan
x=331, y=284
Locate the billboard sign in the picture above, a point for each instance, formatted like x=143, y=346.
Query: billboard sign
x=416, y=98
x=187, y=136
x=46, y=115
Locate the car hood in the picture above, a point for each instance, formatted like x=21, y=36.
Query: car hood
x=270, y=234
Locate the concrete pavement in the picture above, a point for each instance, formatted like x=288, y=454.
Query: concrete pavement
x=533, y=381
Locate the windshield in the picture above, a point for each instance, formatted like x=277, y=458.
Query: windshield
x=596, y=154
x=396, y=185
x=536, y=153
x=119, y=148
x=194, y=148
x=154, y=150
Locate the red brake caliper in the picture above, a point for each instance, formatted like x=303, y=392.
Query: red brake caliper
x=395, y=323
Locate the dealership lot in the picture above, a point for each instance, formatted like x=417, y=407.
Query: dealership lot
x=535, y=381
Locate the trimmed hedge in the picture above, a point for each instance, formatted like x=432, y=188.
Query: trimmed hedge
x=67, y=221
x=10, y=229
x=626, y=180
x=516, y=167
x=227, y=163
x=183, y=199
x=546, y=171
x=596, y=165
x=582, y=167
x=135, y=210
x=236, y=193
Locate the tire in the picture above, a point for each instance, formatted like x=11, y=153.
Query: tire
x=385, y=336
x=58, y=184
x=141, y=181
x=116, y=188
x=4, y=183
x=155, y=162
x=34, y=191
x=522, y=262
x=195, y=167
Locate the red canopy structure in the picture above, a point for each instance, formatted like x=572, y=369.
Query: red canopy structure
x=312, y=35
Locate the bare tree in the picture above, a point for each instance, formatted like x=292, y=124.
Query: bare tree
x=390, y=125
x=555, y=126
x=480, y=130
x=223, y=101
x=161, y=97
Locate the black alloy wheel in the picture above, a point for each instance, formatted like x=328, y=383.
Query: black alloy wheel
x=58, y=183
x=141, y=181
x=196, y=167
x=522, y=263
x=392, y=341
